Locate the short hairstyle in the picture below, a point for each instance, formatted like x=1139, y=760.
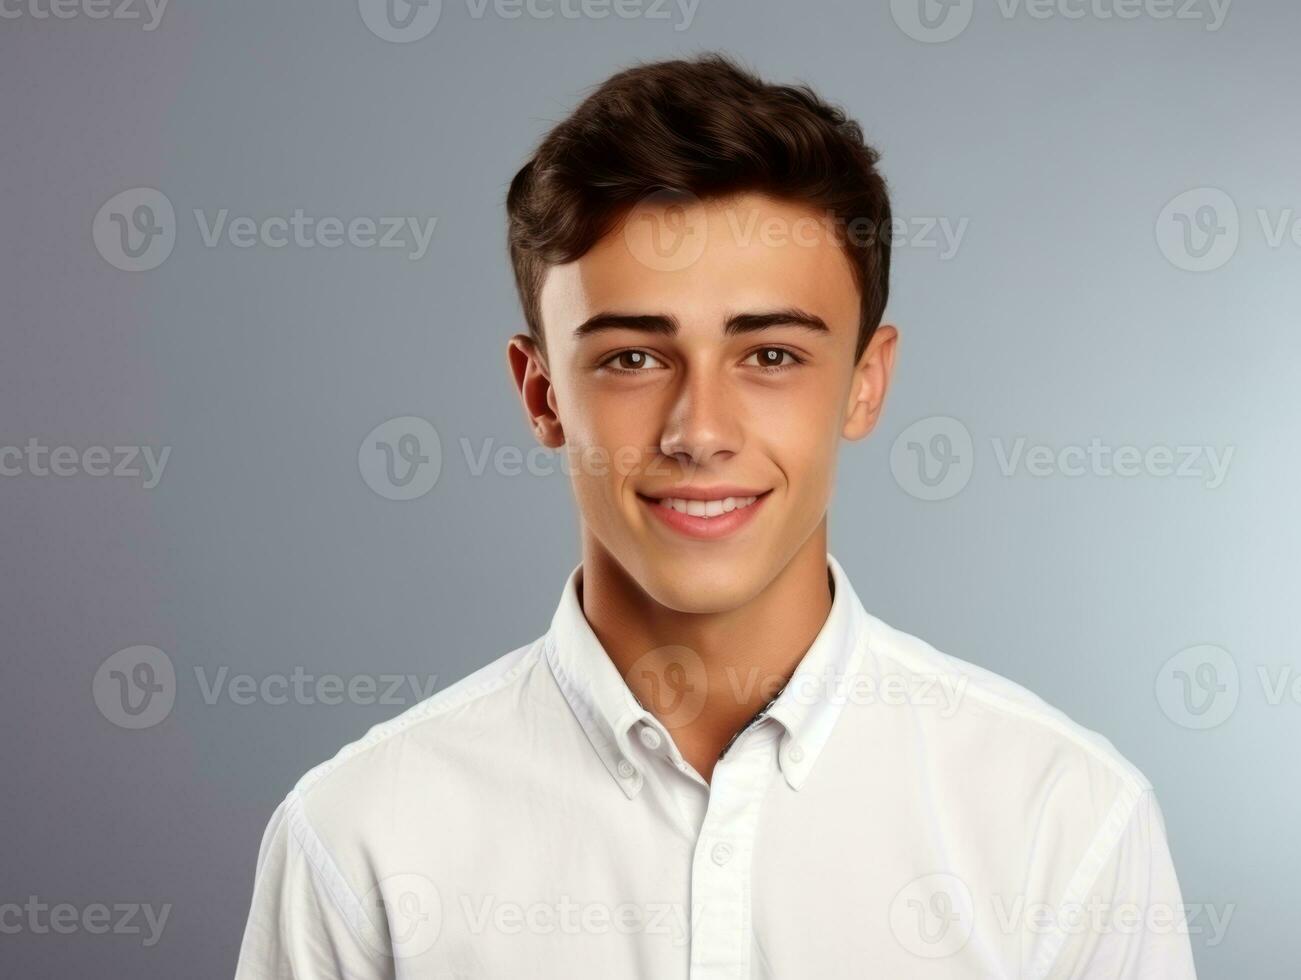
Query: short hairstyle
x=704, y=127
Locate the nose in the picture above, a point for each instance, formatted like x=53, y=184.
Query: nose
x=703, y=426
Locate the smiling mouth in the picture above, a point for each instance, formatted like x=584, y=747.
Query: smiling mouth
x=706, y=508
x=708, y=514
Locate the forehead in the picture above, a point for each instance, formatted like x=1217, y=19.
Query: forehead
x=704, y=261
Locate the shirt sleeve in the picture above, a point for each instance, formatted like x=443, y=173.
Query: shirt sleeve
x=305, y=923
x=1130, y=923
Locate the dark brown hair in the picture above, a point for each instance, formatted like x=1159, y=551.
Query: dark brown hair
x=704, y=127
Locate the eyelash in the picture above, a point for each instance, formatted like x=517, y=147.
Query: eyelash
x=610, y=362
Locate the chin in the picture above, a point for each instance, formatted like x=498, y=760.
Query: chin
x=693, y=583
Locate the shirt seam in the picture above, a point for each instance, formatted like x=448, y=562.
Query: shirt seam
x=1119, y=817
x=1133, y=781
x=325, y=870
x=427, y=710
x=587, y=714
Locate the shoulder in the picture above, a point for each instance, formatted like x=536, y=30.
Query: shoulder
x=451, y=728
x=1025, y=763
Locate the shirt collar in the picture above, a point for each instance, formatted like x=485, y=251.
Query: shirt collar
x=807, y=707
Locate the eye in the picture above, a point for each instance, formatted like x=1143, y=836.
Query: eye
x=632, y=361
x=773, y=358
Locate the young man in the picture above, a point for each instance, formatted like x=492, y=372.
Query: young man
x=715, y=763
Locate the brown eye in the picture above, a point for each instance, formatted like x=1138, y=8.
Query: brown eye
x=633, y=360
x=773, y=357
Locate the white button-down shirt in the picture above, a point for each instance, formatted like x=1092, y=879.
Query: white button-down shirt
x=893, y=812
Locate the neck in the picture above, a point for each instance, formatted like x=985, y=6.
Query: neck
x=746, y=654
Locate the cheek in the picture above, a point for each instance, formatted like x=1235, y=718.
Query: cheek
x=800, y=432
x=608, y=439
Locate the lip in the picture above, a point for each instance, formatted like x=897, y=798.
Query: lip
x=705, y=528
x=707, y=493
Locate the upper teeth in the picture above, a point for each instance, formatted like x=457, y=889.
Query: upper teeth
x=706, y=508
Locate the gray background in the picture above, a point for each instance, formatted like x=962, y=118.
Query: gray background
x=1060, y=318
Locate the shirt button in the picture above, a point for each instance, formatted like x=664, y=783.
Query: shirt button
x=650, y=738
x=626, y=769
x=795, y=754
x=721, y=854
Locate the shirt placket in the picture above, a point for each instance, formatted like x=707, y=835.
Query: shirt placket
x=722, y=860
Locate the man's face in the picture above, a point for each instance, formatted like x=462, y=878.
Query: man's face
x=700, y=373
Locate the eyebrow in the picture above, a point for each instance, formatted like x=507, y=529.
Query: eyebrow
x=736, y=324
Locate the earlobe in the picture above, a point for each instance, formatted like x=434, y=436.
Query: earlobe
x=533, y=382
x=870, y=383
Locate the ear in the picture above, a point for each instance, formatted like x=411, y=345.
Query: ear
x=528, y=367
x=870, y=383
